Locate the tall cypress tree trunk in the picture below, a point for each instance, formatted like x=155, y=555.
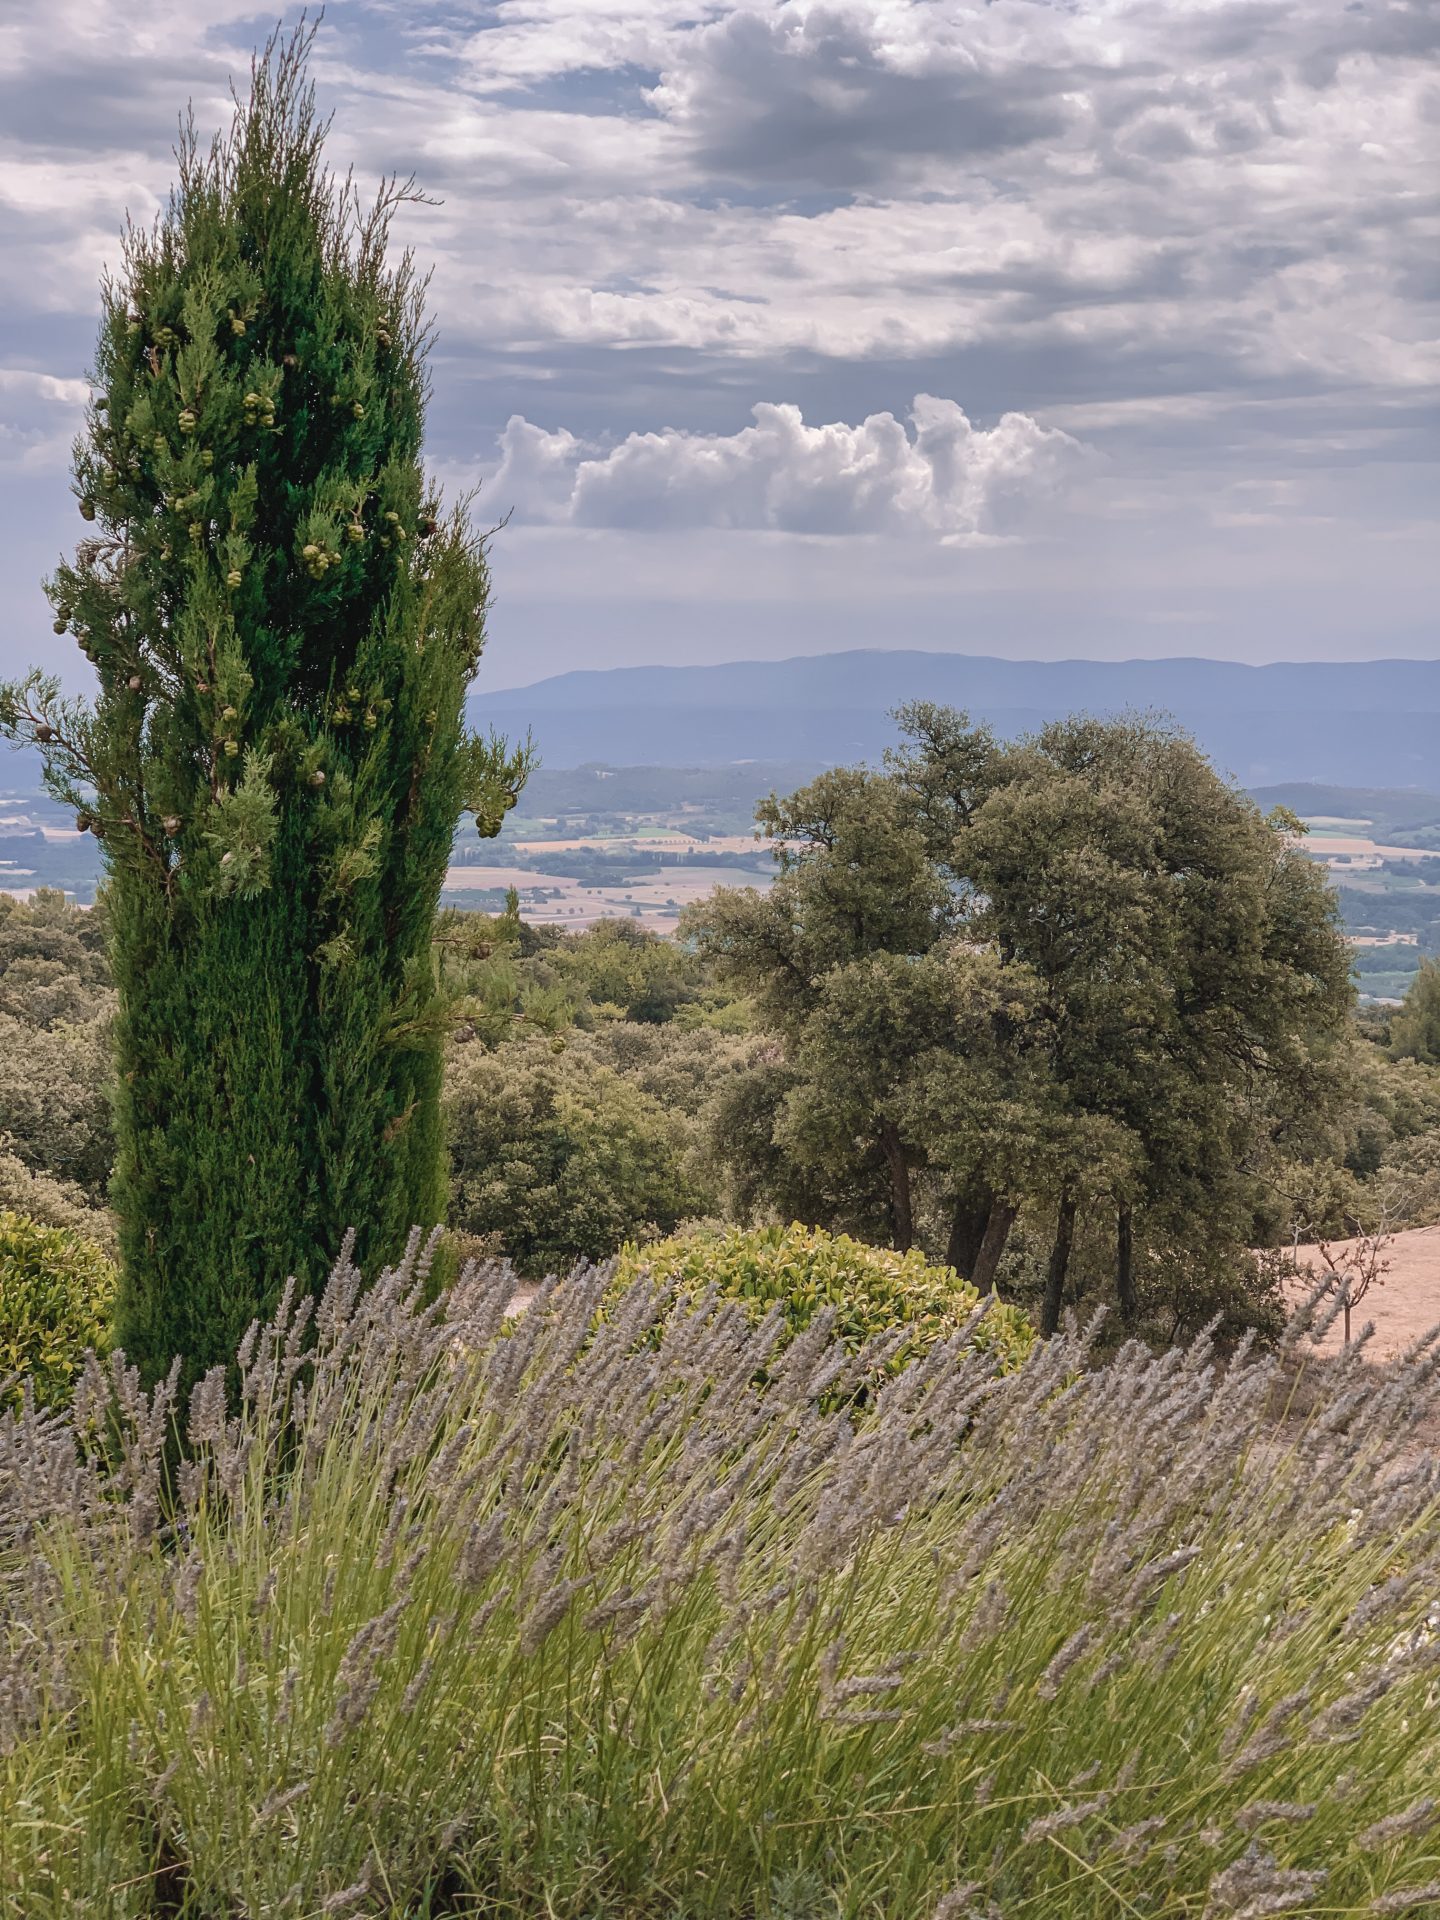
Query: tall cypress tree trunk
x=1059, y=1265
x=283, y=630
x=1125, y=1265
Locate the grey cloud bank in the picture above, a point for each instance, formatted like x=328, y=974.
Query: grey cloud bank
x=1019, y=327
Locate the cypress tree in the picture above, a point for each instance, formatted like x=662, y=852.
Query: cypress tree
x=282, y=623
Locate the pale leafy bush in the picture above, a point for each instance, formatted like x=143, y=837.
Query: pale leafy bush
x=439, y=1618
x=683, y=1068
x=869, y=1291
x=53, y=970
x=55, y=1043
x=54, y=1203
x=56, y=1295
x=54, y=1110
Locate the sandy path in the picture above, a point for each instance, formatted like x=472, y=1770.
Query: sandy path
x=1404, y=1300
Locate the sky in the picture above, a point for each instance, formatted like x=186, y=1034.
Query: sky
x=1033, y=327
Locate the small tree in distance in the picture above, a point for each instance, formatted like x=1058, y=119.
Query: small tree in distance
x=1353, y=1274
x=1415, y=1025
x=282, y=626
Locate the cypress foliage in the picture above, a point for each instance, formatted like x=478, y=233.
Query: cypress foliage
x=283, y=626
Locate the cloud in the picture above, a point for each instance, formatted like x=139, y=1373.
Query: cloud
x=43, y=386
x=1161, y=195
x=1196, y=235
x=39, y=416
x=847, y=97
x=1239, y=181
x=943, y=479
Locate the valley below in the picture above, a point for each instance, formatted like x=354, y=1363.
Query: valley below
x=642, y=843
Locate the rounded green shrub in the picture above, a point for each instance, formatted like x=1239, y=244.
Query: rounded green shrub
x=57, y=1293
x=802, y=1269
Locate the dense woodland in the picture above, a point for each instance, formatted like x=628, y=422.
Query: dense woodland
x=851, y=1051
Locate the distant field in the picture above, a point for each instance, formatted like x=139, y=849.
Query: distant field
x=1325, y=845
x=1387, y=989
x=644, y=842
x=644, y=839
x=553, y=899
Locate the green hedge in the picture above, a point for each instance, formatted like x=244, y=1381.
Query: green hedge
x=804, y=1269
x=57, y=1292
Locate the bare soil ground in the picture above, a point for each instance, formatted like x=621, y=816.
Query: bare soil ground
x=652, y=840
x=1404, y=1300
x=1323, y=844
x=487, y=877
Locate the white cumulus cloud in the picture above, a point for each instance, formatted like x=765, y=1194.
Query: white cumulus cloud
x=939, y=477
x=43, y=386
x=39, y=413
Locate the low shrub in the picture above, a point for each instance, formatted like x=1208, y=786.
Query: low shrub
x=435, y=1619
x=53, y=1203
x=57, y=1291
x=54, y=1108
x=871, y=1291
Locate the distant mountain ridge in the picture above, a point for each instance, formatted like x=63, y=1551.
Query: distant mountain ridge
x=1350, y=723
x=1346, y=724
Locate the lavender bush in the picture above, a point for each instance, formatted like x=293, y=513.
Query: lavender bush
x=543, y=1617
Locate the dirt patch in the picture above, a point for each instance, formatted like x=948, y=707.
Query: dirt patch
x=552, y=899
x=1325, y=844
x=519, y=877
x=1403, y=1302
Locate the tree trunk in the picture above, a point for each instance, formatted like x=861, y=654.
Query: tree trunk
x=997, y=1232
x=902, y=1216
x=1059, y=1265
x=1125, y=1266
x=967, y=1236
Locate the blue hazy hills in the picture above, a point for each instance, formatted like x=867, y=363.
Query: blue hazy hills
x=1350, y=723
